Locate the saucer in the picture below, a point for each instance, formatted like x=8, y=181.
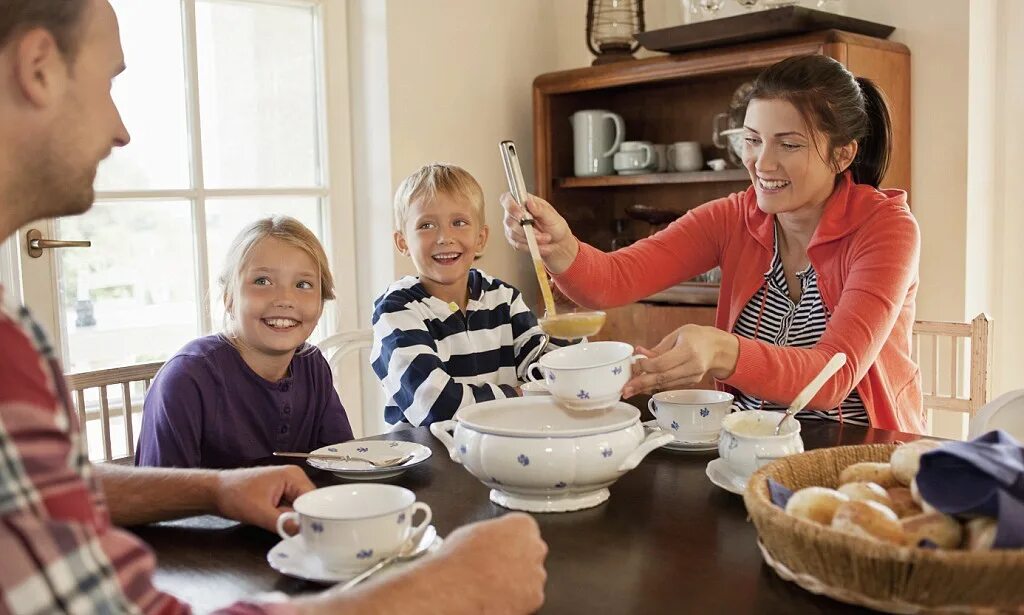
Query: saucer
x=720, y=474
x=635, y=171
x=683, y=445
x=371, y=449
x=291, y=558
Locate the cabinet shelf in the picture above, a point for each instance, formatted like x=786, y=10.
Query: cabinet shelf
x=697, y=177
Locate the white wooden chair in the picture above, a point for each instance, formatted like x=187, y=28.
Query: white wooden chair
x=89, y=410
x=336, y=348
x=965, y=391
x=1005, y=412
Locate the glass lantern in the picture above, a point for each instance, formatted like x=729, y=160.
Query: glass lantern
x=611, y=28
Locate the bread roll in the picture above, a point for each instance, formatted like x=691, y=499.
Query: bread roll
x=816, y=504
x=866, y=491
x=903, y=503
x=980, y=534
x=943, y=530
x=868, y=520
x=869, y=472
x=916, y=495
x=906, y=459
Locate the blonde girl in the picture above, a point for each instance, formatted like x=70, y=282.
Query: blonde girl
x=230, y=399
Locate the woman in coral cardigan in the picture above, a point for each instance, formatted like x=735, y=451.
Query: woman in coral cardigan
x=815, y=259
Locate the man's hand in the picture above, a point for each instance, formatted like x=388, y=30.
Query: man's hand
x=259, y=495
x=499, y=562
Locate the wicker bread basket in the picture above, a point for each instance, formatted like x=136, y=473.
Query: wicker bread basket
x=864, y=572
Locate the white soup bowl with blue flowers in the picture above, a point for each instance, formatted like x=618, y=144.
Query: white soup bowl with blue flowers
x=352, y=527
x=587, y=376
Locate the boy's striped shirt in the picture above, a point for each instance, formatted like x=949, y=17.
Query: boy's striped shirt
x=433, y=360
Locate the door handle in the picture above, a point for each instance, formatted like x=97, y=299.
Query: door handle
x=36, y=243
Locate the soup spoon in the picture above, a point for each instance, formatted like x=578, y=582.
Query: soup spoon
x=804, y=397
x=415, y=547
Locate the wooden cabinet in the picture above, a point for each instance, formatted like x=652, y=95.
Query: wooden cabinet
x=675, y=98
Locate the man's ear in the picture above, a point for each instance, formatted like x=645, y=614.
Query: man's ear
x=400, y=243
x=40, y=69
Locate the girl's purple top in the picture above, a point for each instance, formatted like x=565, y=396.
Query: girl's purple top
x=208, y=409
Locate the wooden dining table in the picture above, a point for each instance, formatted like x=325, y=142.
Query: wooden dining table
x=667, y=540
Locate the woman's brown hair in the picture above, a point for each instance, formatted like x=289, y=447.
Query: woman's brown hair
x=836, y=104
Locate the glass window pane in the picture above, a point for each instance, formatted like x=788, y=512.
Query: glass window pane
x=226, y=217
x=131, y=297
x=152, y=101
x=258, y=95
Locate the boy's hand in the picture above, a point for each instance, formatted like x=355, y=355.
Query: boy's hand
x=558, y=246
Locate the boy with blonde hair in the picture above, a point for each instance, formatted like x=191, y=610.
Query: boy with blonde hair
x=452, y=335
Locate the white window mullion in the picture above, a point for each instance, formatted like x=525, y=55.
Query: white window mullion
x=199, y=186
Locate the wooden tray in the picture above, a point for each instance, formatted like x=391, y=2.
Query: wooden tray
x=754, y=26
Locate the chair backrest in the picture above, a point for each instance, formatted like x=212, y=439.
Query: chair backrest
x=1005, y=412
x=336, y=348
x=103, y=409
x=945, y=343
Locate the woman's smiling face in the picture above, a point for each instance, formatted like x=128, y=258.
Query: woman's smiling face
x=786, y=159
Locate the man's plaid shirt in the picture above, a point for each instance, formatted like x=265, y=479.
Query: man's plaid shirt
x=59, y=551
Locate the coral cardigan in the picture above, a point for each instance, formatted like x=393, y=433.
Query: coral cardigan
x=865, y=250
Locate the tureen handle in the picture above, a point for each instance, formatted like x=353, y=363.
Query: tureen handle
x=442, y=431
x=656, y=439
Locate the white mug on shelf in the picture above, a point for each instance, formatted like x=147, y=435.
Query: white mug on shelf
x=686, y=156
x=635, y=157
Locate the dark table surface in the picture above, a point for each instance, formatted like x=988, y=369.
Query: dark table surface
x=666, y=541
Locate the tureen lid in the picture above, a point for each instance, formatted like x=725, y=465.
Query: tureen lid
x=542, y=416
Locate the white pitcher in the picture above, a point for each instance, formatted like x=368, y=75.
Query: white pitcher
x=597, y=135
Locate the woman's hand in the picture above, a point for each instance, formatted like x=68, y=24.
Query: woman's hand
x=558, y=246
x=685, y=357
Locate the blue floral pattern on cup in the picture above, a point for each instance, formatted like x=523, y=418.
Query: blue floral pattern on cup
x=560, y=485
x=583, y=394
x=675, y=426
x=317, y=527
x=551, y=376
x=364, y=553
x=283, y=555
x=401, y=517
x=463, y=449
x=332, y=449
x=523, y=460
x=704, y=412
x=393, y=444
x=617, y=370
x=606, y=451
x=362, y=449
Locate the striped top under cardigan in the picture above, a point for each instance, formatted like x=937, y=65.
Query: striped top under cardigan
x=432, y=360
x=799, y=325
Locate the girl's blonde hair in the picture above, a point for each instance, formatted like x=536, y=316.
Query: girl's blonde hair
x=433, y=179
x=283, y=228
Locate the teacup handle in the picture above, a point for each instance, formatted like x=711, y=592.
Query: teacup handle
x=285, y=518
x=418, y=529
x=443, y=430
x=530, y=375
x=652, y=407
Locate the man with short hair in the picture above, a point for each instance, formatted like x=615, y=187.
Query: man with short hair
x=58, y=514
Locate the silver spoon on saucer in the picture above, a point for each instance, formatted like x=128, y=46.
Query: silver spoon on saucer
x=410, y=550
x=804, y=397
